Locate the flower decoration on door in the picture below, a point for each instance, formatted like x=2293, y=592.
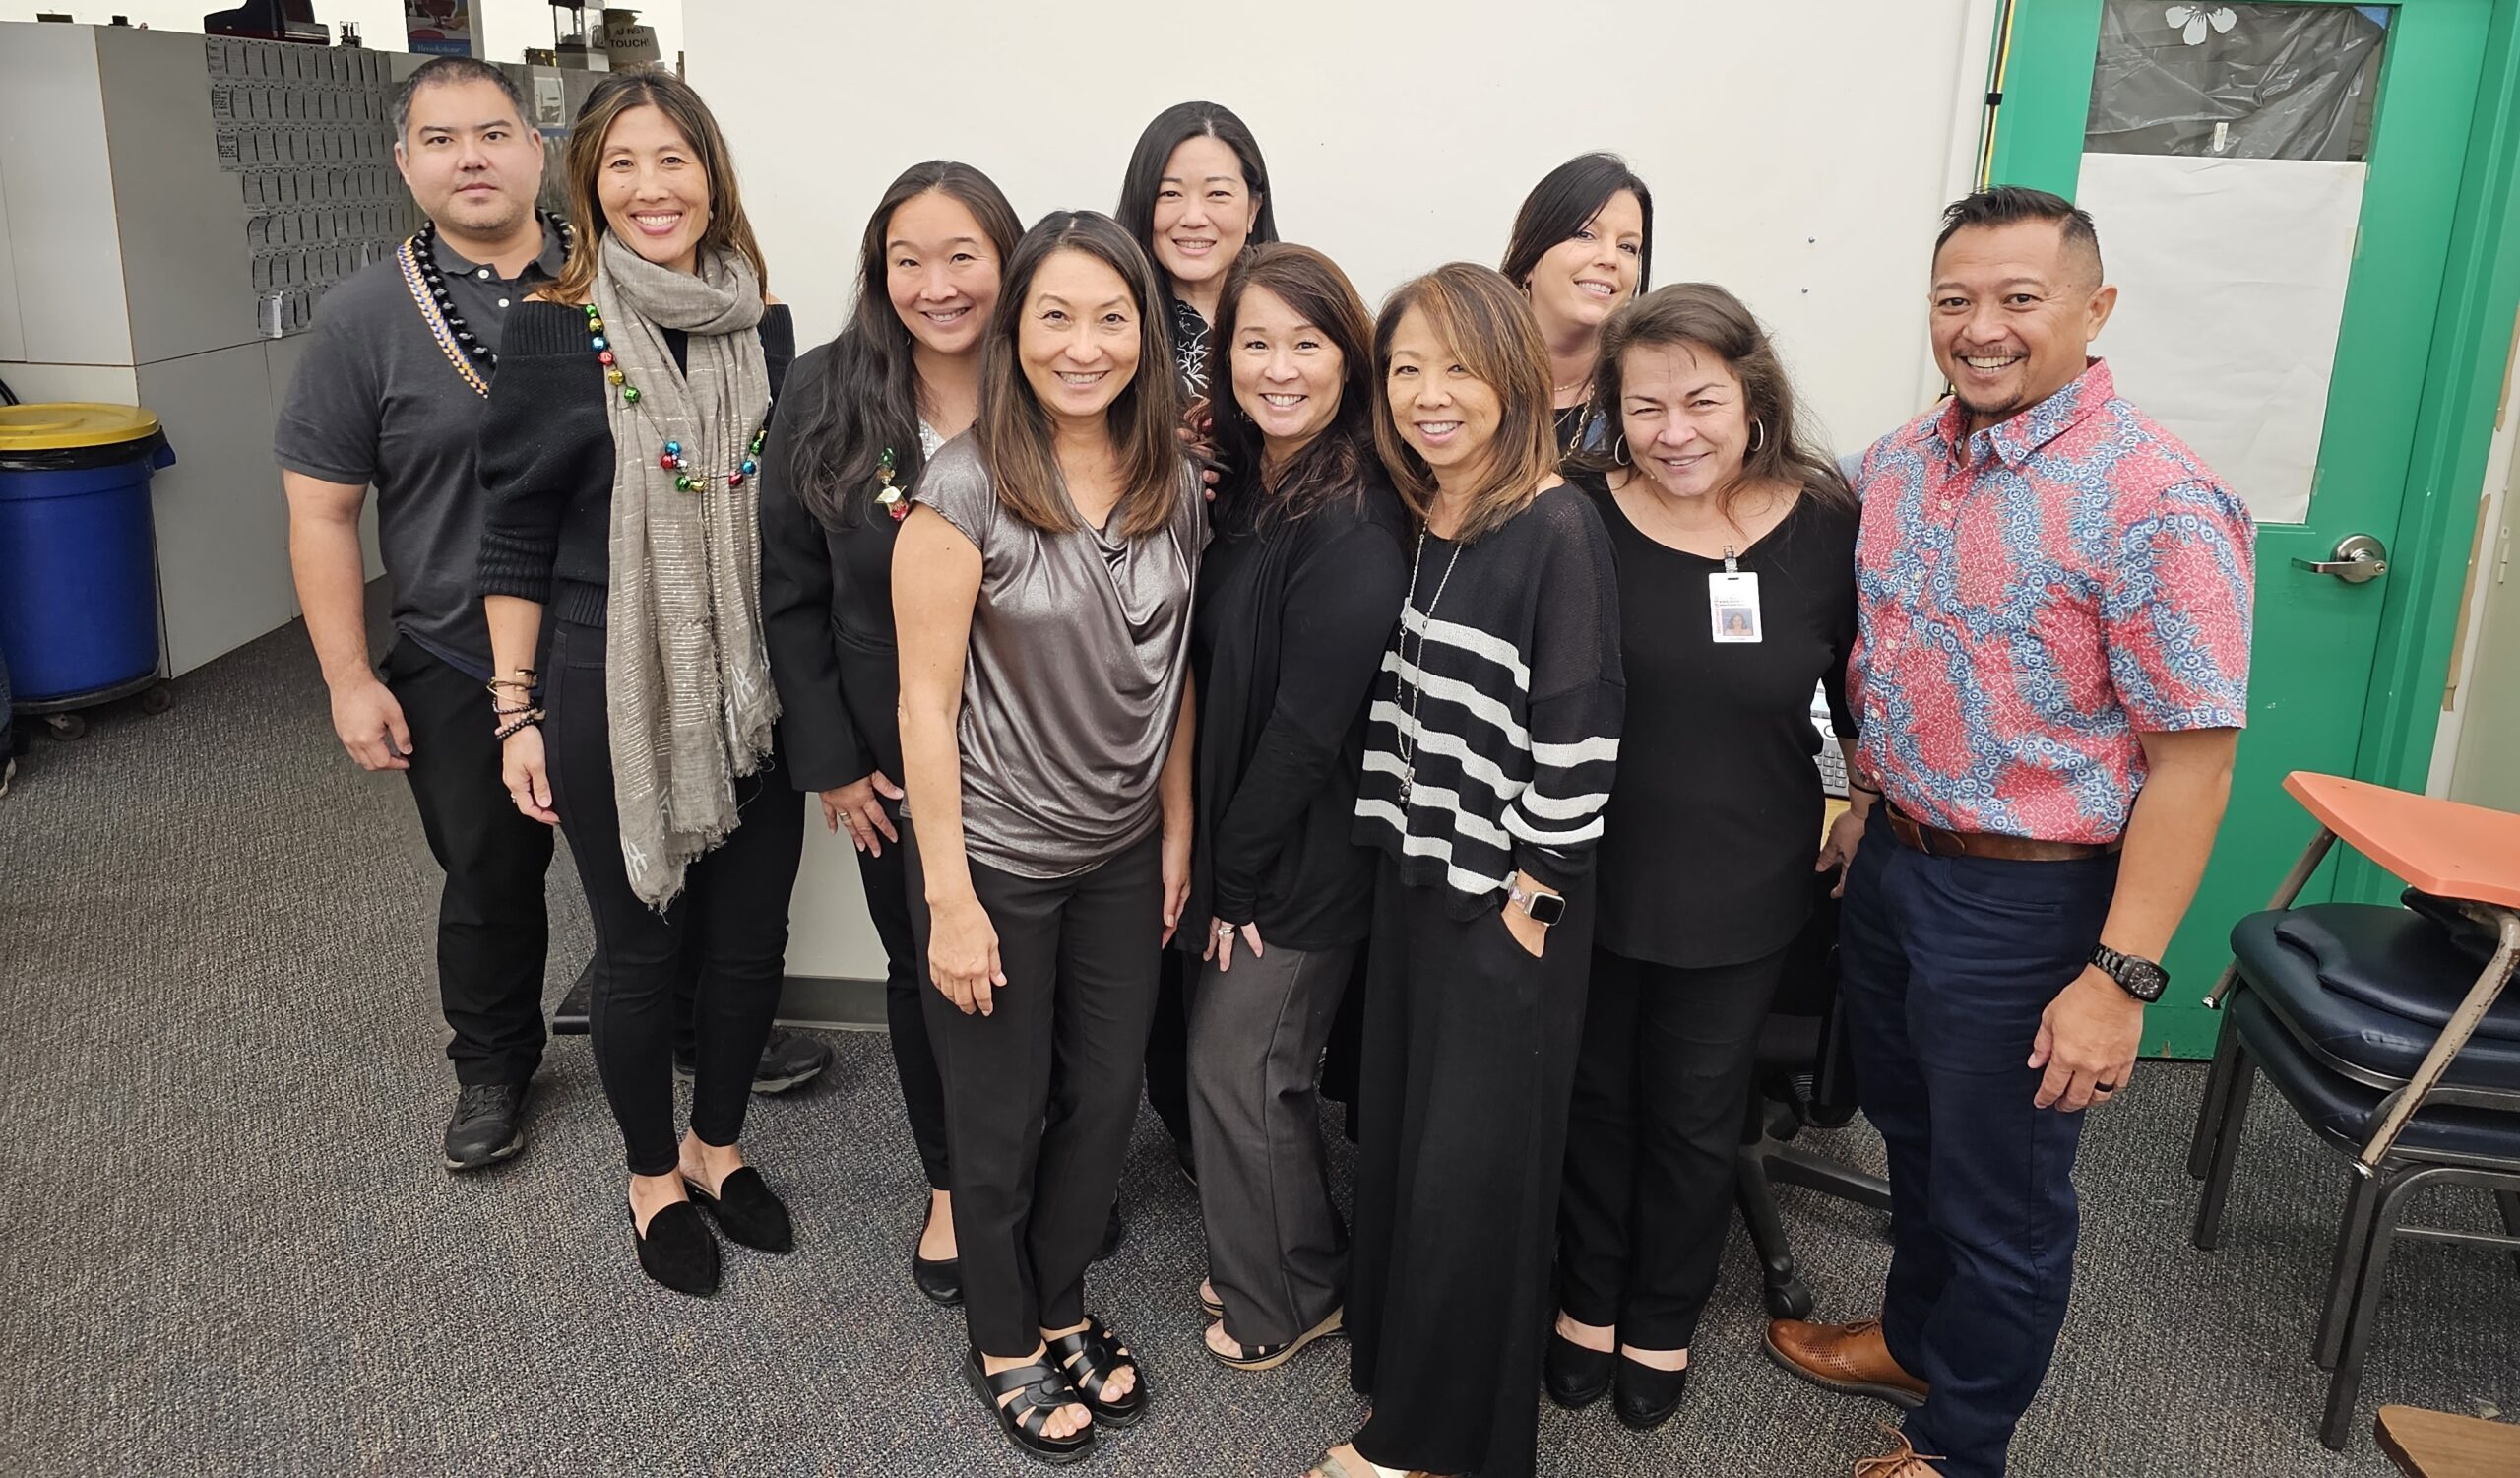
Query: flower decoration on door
x=2194, y=20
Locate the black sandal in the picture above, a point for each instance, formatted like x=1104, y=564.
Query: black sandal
x=1091, y=1357
x=1045, y=1390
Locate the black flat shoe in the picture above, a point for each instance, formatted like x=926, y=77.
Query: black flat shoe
x=677, y=1249
x=1573, y=1376
x=1045, y=1390
x=939, y=1278
x=1646, y=1397
x=1091, y=1358
x=746, y=1212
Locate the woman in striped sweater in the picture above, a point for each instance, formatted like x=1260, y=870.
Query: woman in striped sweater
x=1493, y=737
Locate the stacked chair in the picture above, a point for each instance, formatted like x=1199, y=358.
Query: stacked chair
x=2388, y=1032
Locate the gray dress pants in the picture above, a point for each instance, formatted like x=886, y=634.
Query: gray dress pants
x=1257, y=1031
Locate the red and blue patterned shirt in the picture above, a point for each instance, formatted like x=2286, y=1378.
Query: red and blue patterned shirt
x=2030, y=599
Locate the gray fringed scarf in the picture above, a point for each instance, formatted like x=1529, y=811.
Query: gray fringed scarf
x=686, y=675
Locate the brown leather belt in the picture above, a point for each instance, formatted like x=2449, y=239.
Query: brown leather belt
x=1933, y=841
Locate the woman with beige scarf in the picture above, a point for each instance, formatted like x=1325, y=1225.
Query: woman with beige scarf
x=619, y=452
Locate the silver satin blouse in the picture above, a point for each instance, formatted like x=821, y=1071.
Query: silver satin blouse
x=1080, y=645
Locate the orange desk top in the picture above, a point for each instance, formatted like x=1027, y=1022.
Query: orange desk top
x=2442, y=846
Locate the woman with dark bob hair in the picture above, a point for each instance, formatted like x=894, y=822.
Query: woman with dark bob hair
x=1297, y=599
x=624, y=421
x=1582, y=248
x=860, y=418
x=1042, y=597
x=1195, y=196
x=1491, y=750
x=1736, y=546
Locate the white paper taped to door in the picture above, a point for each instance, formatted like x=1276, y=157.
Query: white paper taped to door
x=2231, y=278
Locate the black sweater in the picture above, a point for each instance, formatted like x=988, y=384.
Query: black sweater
x=546, y=459
x=1290, y=627
x=827, y=612
x=1507, y=714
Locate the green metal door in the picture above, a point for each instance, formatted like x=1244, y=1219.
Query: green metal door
x=2408, y=127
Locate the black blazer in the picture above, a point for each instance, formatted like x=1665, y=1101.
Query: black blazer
x=827, y=613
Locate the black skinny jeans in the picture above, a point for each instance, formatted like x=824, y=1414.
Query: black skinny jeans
x=735, y=897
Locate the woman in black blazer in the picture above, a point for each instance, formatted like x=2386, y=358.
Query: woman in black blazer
x=860, y=420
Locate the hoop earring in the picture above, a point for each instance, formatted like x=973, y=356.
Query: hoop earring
x=1618, y=452
x=1758, y=436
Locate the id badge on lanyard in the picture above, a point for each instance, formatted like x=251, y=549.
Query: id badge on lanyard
x=1732, y=602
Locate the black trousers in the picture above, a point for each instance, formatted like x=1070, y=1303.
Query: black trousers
x=491, y=930
x=1469, y=1061
x=735, y=898
x=1041, y=1093
x=1661, y=1085
x=906, y=993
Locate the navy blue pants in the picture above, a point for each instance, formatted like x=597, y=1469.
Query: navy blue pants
x=1948, y=962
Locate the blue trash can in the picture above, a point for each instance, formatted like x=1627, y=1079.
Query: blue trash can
x=77, y=552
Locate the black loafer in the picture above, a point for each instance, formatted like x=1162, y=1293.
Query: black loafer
x=1646, y=1397
x=746, y=1212
x=1573, y=1376
x=677, y=1249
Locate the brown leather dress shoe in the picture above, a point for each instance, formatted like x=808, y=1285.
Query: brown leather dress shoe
x=1904, y=1461
x=1848, y=1358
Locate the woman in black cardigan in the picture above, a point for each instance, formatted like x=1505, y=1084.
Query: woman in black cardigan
x=622, y=428
x=1296, y=596
x=860, y=420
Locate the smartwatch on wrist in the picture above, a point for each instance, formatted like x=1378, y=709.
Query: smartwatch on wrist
x=2143, y=979
x=1542, y=908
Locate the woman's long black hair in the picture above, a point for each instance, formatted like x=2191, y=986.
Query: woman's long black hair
x=867, y=402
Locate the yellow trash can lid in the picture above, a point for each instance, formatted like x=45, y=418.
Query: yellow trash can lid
x=68, y=424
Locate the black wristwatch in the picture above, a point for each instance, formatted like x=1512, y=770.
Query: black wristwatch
x=1542, y=908
x=2143, y=979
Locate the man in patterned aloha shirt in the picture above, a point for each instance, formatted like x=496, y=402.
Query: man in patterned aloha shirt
x=2051, y=674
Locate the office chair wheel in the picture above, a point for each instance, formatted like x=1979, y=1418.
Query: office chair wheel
x=1788, y=1298
x=65, y=727
x=154, y=700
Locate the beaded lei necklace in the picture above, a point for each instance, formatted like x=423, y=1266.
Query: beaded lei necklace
x=686, y=479
x=471, y=358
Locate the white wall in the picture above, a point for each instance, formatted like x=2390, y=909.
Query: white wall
x=1799, y=151
x=507, y=26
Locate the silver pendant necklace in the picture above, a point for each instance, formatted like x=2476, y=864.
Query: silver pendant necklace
x=1409, y=733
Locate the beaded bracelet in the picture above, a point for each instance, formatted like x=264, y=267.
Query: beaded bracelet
x=529, y=720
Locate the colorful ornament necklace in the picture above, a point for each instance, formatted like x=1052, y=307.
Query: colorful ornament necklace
x=672, y=459
x=473, y=360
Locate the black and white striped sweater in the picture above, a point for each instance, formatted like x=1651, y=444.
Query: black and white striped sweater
x=1495, y=727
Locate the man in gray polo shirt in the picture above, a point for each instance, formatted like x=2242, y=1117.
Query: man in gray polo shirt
x=390, y=393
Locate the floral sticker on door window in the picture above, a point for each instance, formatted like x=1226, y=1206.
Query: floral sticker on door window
x=2193, y=21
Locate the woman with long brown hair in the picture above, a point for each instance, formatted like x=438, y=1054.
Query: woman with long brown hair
x=1736, y=546
x=856, y=425
x=1491, y=750
x=621, y=430
x=1041, y=590
x=1297, y=599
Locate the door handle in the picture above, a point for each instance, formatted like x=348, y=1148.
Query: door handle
x=2359, y=558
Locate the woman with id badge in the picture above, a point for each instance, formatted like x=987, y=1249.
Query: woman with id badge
x=1735, y=551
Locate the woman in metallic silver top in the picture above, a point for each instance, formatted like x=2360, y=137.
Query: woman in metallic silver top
x=1041, y=590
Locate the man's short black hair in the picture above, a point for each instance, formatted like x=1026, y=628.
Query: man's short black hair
x=442, y=70
x=2003, y=205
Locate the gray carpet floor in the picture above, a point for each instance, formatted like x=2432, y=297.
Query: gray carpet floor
x=228, y=1246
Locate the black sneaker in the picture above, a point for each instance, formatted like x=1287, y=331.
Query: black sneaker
x=789, y=1060
x=570, y=1019
x=489, y=1126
